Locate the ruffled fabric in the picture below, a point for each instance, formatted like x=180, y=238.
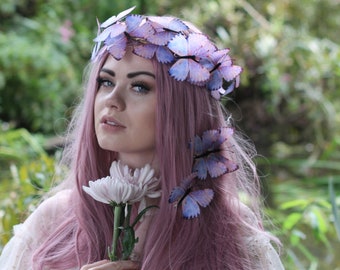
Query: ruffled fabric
x=28, y=236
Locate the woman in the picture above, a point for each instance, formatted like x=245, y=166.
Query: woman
x=152, y=87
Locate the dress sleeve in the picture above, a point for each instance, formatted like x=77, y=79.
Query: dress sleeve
x=17, y=253
x=262, y=253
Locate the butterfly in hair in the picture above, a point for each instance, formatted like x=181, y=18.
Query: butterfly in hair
x=221, y=69
x=189, y=51
x=208, y=159
x=191, y=200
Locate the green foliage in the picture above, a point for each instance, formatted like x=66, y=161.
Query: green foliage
x=335, y=207
x=308, y=216
x=27, y=173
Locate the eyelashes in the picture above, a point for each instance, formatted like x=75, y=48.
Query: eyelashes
x=102, y=82
x=140, y=87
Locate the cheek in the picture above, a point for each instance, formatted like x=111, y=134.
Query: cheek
x=149, y=123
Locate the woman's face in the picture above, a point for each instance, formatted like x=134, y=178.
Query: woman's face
x=125, y=109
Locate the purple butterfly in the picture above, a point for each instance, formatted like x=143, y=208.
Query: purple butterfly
x=115, y=19
x=138, y=27
x=191, y=200
x=117, y=46
x=165, y=28
x=190, y=50
x=222, y=68
x=149, y=50
x=222, y=92
x=207, y=156
x=113, y=35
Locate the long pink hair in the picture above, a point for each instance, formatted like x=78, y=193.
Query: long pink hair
x=211, y=241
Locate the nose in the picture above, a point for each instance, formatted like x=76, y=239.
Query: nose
x=115, y=99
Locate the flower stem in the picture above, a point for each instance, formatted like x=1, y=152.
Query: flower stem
x=116, y=231
x=128, y=216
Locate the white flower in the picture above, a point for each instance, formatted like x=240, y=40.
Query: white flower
x=123, y=186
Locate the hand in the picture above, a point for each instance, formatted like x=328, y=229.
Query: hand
x=108, y=265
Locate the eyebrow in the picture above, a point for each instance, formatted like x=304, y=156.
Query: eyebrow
x=129, y=75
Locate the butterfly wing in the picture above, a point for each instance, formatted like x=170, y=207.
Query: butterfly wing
x=190, y=208
x=231, y=166
x=215, y=165
x=145, y=50
x=209, y=140
x=202, y=197
x=200, y=167
x=197, y=72
x=137, y=27
x=218, y=165
x=180, y=69
x=198, y=146
x=114, y=19
x=230, y=72
x=111, y=32
x=164, y=55
x=190, y=204
x=176, y=194
x=165, y=29
x=179, y=45
x=199, y=46
x=117, y=46
x=215, y=81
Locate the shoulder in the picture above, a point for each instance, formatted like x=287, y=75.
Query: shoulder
x=29, y=235
x=54, y=205
x=258, y=241
x=48, y=214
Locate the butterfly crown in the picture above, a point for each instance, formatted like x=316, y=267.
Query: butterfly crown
x=192, y=56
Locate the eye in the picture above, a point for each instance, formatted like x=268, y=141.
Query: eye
x=102, y=82
x=141, y=87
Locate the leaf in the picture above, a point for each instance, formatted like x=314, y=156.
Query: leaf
x=129, y=241
x=140, y=215
x=296, y=236
x=318, y=220
x=301, y=203
x=291, y=221
x=334, y=207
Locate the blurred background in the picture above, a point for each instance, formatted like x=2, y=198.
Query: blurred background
x=288, y=103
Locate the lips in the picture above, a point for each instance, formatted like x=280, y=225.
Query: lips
x=111, y=122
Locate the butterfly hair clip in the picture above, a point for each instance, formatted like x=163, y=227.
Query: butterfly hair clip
x=208, y=156
x=208, y=161
x=192, y=56
x=189, y=198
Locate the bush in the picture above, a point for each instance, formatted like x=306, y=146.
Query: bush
x=27, y=173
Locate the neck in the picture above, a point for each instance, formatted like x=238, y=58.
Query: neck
x=138, y=161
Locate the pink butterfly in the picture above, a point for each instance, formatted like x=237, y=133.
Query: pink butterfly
x=189, y=52
x=165, y=28
x=138, y=27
